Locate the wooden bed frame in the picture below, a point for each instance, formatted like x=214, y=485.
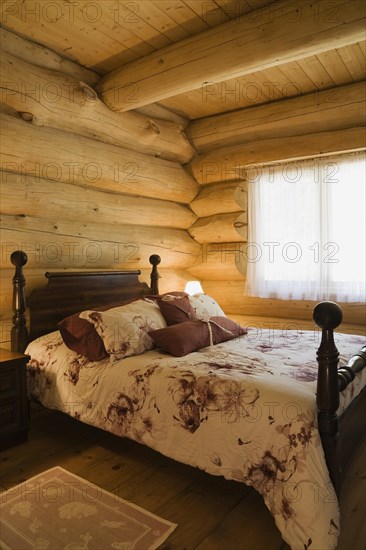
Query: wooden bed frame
x=69, y=292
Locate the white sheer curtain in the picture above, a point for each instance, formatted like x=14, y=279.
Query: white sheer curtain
x=306, y=224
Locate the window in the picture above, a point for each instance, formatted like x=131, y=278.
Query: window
x=307, y=229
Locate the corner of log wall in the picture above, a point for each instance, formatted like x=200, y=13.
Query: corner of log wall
x=221, y=230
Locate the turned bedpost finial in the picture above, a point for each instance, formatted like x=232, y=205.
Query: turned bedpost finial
x=328, y=315
x=19, y=332
x=154, y=276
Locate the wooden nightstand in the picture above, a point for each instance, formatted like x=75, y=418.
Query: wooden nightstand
x=14, y=415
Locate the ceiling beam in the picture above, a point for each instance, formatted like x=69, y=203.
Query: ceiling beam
x=275, y=34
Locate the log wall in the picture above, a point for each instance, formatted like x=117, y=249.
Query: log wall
x=227, y=144
x=84, y=187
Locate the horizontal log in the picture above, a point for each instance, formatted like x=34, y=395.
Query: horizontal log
x=55, y=99
x=220, y=261
x=28, y=196
x=221, y=228
x=230, y=295
x=79, y=245
x=43, y=57
x=280, y=33
x=334, y=109
x=60, y=156
x=219, y=198
x=229, y=163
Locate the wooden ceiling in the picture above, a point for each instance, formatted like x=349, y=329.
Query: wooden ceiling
x=104, y=35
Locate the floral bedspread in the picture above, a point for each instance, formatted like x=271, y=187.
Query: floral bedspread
x=243, y=409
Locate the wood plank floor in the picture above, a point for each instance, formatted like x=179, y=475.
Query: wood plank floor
x=212, y=513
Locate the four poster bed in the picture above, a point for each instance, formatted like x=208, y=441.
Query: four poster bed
x=252, y=407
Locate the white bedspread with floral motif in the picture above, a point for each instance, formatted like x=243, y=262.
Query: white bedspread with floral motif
x=244, y=409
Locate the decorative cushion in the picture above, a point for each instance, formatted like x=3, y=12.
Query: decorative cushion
x=176, y=309
x=183, y=338
x=80, y=336
x=124, y=330
x=205, y=307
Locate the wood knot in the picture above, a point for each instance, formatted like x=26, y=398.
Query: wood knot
x=154, y=127
x=31, y=118
x=88, y=95
x=25, y=115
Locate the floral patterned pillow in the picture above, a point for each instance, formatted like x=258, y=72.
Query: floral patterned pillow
x=124, y=329
x=205, y=307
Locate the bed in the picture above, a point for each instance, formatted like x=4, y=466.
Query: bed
x=255, y=407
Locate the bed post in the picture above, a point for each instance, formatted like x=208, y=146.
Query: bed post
x=328, y=315
x=154, y=276
x=19, y=332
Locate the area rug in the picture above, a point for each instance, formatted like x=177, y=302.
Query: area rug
x=57, y=510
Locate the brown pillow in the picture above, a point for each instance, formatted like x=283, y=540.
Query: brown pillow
x=80, y=336
x=183, y=338
x=176, y=309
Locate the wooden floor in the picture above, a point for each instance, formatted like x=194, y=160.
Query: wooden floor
x=211, y=513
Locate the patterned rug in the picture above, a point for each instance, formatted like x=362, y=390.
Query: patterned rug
x=57, y=510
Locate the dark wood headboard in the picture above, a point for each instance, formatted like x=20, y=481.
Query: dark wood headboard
x=69, y=292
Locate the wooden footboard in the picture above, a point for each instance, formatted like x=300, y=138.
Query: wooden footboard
x=340, y=435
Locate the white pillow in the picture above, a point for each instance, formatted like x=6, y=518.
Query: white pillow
x=205, y=307
x=124, y=329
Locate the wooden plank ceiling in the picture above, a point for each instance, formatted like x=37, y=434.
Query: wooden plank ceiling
x=104, y=35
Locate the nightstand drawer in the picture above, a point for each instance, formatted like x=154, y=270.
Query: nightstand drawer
x=14, y=414
x=9, y=382
x=10, y=416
